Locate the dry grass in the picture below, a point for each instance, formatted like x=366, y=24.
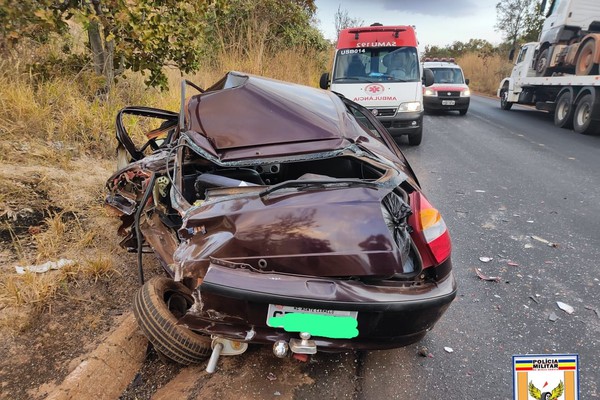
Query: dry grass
x=484, y=72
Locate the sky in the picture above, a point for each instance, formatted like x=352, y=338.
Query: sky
x=437, y=22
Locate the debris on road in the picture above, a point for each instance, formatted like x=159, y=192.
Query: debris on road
x=485, y=277
x=528, y=246
x=45, y=267
x=424, y=352
x=593, y=309
x=485, y=259
x=565, y=307
x=534, y=299
x=553, y=317
x=271, y=376
x=449, y=349
x=512, y=264
x=542, y=240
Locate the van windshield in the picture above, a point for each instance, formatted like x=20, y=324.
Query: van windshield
x=399, y=64
x=447, y=75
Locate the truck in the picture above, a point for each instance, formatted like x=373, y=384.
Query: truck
x=570, y=38
x=559, y=73
x=378, y=67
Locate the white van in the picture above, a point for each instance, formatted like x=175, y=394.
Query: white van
x=450, y=90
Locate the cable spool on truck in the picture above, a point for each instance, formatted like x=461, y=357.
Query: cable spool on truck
x=559, y=74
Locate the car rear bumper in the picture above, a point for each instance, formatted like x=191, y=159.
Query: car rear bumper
x=388, y=316
x=435, y=103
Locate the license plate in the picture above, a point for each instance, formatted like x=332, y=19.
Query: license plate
x=316, y=321
x=277, y=311
x=448, y=102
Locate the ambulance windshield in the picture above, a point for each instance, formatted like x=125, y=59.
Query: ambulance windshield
x=376, y=64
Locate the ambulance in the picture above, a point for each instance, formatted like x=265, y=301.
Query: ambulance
x=378, y=67
x=450, y=90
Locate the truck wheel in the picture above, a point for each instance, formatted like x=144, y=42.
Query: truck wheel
x=582, y=118
x=157, y=306
x=585, y=60
x=563, y=114
x=463, y=111
x=504, y=103
x=541, y=64
x=416, y=138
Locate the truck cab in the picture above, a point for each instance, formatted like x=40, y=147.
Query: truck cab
x=510, y=88
x=378, y=67
x=570, y=38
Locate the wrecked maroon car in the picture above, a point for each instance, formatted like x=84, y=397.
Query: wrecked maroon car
x=283, y=215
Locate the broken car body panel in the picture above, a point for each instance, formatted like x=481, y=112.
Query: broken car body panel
x=280, y=194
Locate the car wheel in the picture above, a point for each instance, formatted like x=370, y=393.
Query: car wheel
x=541, y=64
x=504, y=103
x=563, y=114
x=157, y=306
x=463, y=111
x=585, y=59
x=582, y=118
x=416, y=138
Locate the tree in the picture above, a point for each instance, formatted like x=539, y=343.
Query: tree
x=533, y=24
x=146, y=35
x=343, y=21
x=142, y=35
x=512, y=18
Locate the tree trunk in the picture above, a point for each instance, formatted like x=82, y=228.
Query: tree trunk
x=96, y=46
x=109, y=67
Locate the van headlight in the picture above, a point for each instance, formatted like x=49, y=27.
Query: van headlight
x=429, y=92
x=465, y=93
x=410, y=106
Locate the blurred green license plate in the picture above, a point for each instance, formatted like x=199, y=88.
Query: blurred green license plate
x=334, y=324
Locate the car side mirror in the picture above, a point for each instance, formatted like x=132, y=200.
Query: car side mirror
x=467, y=81
x=511, y=55
x=324, y=81
x=427, y=77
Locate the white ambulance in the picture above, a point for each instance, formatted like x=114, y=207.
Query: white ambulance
x=378, y=67
x=450, y=90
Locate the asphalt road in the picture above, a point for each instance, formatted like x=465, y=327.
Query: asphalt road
x=500, y=178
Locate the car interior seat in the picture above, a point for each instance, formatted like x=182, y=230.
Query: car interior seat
x=356, y=68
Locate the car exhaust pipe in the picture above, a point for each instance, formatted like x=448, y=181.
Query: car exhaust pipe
x=226, y=347
x=214, y=357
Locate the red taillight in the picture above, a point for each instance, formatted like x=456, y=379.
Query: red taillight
x=429, y=222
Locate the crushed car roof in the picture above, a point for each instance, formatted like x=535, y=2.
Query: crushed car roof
x=243, y=110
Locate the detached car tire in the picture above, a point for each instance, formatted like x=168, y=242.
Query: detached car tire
x=155, y=307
